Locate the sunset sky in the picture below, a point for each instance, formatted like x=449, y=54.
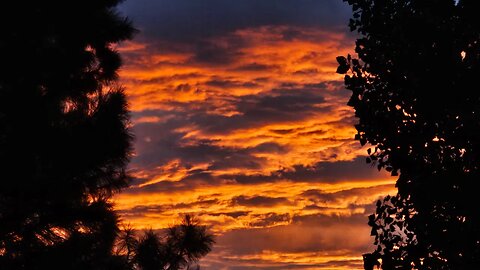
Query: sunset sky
x=240, y=119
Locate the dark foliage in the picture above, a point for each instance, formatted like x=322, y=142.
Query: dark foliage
x=150, y=254
x=179, y=247
x=64, y=137
x=414, y=90
x=65, y=143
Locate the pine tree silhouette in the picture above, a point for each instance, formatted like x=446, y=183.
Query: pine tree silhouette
x=179, y=248
x=65, y=144
x=64, y=137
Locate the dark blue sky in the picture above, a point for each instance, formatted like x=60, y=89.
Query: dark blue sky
x=187, y=20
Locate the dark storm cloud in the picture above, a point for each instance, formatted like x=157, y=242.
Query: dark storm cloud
x=165, y=145
x=159, y=143
x=235, y=214
x=320, y=196
x=192, y=180
x=213, y=52
x=165, y=79
x=284, y=131
x=156, y=145
x=259, y=201
x=336, y=171
x=338, y=86
x=306, y=72
x=222, y=157
x=225, y=84
x=188, y=20
x=315, y=132
x=141, y=210
x=285, y=99
x=268, y=147
x=323, y=172
x=269, y=219
x=275, y=106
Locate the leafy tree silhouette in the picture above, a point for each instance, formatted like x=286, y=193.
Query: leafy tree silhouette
x=64, y=137
x=413, y=90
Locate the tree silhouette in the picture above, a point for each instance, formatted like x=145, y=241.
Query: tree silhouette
x=187, y=243
x=64, y=137
x=179, y=248
x=151, y=253
x=127, y=244
x=65, y=143
x=412, y=92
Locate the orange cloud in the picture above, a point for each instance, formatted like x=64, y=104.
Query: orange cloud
x=250, y=132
